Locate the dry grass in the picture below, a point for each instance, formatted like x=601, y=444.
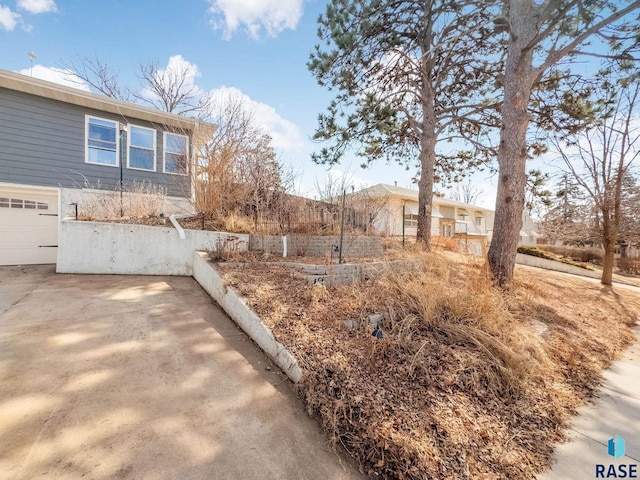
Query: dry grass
x=447, y=244
x=630, y=266
x=462, y=385
x=140, y=200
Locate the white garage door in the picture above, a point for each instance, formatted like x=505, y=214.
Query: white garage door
x=28, y=226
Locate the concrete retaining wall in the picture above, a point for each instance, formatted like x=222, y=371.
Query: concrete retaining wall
x=232, y=303
x=318, y=246
x=116, y=248
x=532, y=261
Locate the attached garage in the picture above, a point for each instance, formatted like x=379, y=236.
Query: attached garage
x=28, y=225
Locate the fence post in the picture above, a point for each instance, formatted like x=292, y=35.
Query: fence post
x=403, y=222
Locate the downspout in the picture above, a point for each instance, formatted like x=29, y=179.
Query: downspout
x=177, y=226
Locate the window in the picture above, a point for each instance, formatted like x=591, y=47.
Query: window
x=410, y=220
x=142, y=148
x=20, y=203
x=479, y=221
x=176, y=151
x=102, y=141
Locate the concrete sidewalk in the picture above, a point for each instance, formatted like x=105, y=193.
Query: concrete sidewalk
x=107, y=377
x=616, y=411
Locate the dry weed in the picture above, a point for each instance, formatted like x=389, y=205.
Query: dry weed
x=461, y=385
x=139, y=200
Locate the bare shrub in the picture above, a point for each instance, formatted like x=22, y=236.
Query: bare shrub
x=226, y=248
x=629, y=265
x=445, y=243
x=138, y=200
x=578, y=254
x=144, y=199
x=237, y=173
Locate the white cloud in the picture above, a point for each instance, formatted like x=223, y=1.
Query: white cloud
x=285, y=135
x=8, y=18
x=57, y=75
x=270, y=16
x=178, y=70
x=177, y=66
x=37, y=6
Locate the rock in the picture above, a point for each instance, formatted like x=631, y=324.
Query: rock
x=375, y=320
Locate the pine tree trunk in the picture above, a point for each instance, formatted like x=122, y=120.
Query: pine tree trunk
x=427, y=165
x=425, y=193
x=512, y=151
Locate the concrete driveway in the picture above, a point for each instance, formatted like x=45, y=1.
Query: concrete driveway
x=142, y=378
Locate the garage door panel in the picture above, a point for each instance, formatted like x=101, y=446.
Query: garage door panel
x=28, y=226
x=17, y=236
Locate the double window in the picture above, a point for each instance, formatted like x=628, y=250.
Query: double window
x=142, y=148
x=176, y=152
x=410, y=220
x=102, y=141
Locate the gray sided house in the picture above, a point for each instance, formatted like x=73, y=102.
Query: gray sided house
x=61, y=146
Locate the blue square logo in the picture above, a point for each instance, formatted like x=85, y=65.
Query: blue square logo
x=616, y=446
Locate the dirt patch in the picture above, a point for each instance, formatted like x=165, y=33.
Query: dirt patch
x=464, y=382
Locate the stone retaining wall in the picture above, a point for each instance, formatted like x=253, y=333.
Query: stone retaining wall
x=318, y=246
x=343, y=274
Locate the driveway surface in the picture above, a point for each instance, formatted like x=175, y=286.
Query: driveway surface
x=142, y=378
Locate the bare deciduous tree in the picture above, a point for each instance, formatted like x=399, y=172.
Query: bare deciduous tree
x=237, y=167
x=599, y=159
x=99, y=76
x=467, y=192
x=172, y=89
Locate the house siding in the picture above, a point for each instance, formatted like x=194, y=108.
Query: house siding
x=42, y=142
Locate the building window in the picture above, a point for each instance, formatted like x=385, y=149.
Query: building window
x=411, y=221
x=479, y=221
x=102, y=141
x=142, y=148
x=176, y=151
x=20, y=203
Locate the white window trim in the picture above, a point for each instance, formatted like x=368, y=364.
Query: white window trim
x=164, y=154
x=412, y=221
x=86, y=141
x=155, y=155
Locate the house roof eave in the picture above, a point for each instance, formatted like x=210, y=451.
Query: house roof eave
x=74, y=96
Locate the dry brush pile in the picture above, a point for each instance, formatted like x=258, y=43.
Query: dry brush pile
x=467, y=382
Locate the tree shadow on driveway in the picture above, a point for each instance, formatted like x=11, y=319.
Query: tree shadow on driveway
x=145, y=377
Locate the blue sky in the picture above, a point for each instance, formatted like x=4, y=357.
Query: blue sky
x=259, y=47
